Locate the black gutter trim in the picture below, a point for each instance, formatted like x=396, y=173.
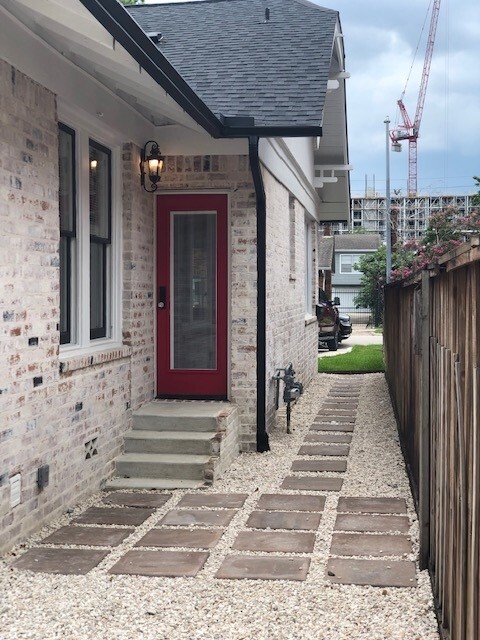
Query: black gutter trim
x=125, y=30
x=262, y=435
x=120, y=24
x=277, y=131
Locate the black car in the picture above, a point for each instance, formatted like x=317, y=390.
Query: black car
x=328, y=321
x=345, y=327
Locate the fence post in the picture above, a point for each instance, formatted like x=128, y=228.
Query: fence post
x=424, y=457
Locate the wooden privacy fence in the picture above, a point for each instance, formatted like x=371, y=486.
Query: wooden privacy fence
x=432, y=354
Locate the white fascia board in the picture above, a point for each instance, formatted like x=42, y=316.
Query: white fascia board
x=65, y=17
x=177, y=140
x=32, y=56
x=332, y=167
x=119, y=67
x=278, y=158
x=146, y=93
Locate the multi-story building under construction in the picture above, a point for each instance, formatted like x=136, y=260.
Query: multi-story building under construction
x=409, y=216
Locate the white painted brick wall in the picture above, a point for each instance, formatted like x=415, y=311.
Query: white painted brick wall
x=138, y=278
x=47, y=416
x=289, y=337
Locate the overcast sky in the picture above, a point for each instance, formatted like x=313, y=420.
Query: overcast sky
x=381, y=37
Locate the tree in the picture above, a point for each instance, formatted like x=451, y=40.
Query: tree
x=373, y=267
x=476, y=197
x=132, y=1
x=446, y=230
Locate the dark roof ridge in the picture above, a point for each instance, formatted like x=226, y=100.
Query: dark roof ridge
x=307, y=3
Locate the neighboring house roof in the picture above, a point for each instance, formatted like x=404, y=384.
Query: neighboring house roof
x=243, y=62
x=325, y=253
x=357, y=242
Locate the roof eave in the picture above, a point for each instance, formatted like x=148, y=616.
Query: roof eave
x=125, y=30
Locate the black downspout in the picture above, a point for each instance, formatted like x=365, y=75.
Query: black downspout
x=262, y=435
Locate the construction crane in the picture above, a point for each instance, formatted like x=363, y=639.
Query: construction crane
x=410, y=130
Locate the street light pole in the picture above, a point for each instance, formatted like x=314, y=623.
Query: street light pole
x=388, y=222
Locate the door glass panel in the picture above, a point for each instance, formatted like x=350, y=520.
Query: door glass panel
x=194, y=291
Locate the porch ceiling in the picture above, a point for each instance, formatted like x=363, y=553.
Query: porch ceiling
x=68, y=27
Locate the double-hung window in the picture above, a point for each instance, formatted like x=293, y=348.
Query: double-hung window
x=348, y=262
x=100, y=214
x=87, y=248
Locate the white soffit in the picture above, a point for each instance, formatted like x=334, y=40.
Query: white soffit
x=68, y=27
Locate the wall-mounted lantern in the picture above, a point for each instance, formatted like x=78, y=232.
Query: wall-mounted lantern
x=151, y=165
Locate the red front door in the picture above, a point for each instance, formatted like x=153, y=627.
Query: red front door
x=192, y=296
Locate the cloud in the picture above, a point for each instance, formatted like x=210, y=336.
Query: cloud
x=381, y=38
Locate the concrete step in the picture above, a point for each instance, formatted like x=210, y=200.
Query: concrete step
x=185, y=442
x=115, y=484
x=179, y=416
x=161, y=465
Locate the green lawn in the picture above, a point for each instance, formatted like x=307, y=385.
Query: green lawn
x=361, y=359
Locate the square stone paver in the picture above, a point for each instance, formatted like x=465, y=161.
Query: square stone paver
x=215, y=500
x=153, y=500
x=333, y=417
x=354, y=522
x=260, y=568
x=319, y=465
x=346, y=387
x=64, y=561
x=332, y=426
x=89, y=536
x=284, y=520
x=275, y=541
x=364, y=544
x=160, y=563
x=328, y=438
x=372, y=505
x=312, y=484
x=194, y=538
x=284, y=502
x=336, y=410
x=113, y=515
x=324, y=450
x=377, y=573
x=339, y=403
x=343, y=393
x=201, y=517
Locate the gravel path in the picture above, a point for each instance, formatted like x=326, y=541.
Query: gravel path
x=99, y=606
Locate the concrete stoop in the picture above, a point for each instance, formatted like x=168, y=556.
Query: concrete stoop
x=177, y=445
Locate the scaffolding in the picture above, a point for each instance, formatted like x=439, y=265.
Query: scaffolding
x=409, y=216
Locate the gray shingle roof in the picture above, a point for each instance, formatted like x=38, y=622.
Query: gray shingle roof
x=325, y=252
x=357, y=242
x=241, y=65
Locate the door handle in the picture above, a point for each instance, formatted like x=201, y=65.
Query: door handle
x=162, y=298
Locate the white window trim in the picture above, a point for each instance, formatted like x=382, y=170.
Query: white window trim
x=308, y=268
x=87, y=128
x=353, y=271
